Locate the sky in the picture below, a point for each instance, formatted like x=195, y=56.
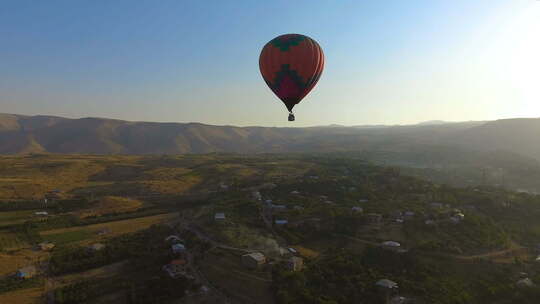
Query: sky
x=387, y=62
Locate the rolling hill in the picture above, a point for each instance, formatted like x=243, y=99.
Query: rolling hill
x=48, y=134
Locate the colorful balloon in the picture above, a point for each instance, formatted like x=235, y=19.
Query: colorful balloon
x=291, y=65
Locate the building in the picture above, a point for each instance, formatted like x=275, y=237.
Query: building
x=457, y=218
x=178, y=248
x=386, y=284
x=281, y=222
x=104, y=231
x=374, y=218
x=46, y=246
x=279, y=207
x=26, y=272
x=41, y=213
x=176, y=268
x=219, y=217
x=253, y=260
x=407, y=215
x=392, y=245
x=295, y=192
x=524, y=283
x=357, y=209
x=173, y=239
x=96, y=247
x=295, y=264
x=436, y=205
x=363, y=200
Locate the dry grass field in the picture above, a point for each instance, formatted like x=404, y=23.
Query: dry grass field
x=23, y=296
x=10, y=262
x=90, y=232
x=111, y=204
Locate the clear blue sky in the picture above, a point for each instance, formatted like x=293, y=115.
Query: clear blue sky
x=390, y=62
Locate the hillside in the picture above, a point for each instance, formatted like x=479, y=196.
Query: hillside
x=27, y=134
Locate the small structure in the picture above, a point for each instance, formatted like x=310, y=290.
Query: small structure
x=176, y=268
x=298, y=207
x=96, y=247
x=392, y=245
x=279, y=207
x=295, y=263
x=178, y=248
x=363, y=200
x=357, y=209
x=268, y=202
x=26, y=272
x=253, y=260
x=429, y=222
x=457, y=218
x=104, y=231
x=295, y=192
x=46, y=246
x=387, y=284
x=525, y=283
x=223, y=186
x=281, y=222
x=374, y=218
x=219, y=217
x=41, y=213
x=408, y=215
x=436, y=205
x=257, y=195
x=292, y=250
x=173, y=239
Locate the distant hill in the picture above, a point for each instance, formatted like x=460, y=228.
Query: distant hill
x=28, y=134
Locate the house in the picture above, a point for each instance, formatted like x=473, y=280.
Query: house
x=46, y=246
x=281, y=222
x=457, y=218
x=328, y=202
x=295, y=264
x=436, y=205
x=386, y=284
x=357, y=209
x=429, y=222
x=253, y=260
x=374, y=218
x=219, y=217
x=41, y=213
x=257, y=195
x=96, y=247
x=26, y=272
x=178, y=248
x=407, y=215
x=298, y=207
x=391, y=245
x=223, y=186
x=279, y=207
x=176, y=268
x=292, y=250
x=525, y=283
x=268, y=202
x=295, y=192
x=104, y=231
x=363, y=200
x=173, y=239
x=399, y=300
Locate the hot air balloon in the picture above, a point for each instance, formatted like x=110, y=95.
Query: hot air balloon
x=291, y=65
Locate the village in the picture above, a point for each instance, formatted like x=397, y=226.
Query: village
x=239, y=240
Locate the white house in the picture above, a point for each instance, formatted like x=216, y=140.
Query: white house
x=220, y=216
x=281, y=222
x=385, y=283
x=178, y=248
x=357, y=209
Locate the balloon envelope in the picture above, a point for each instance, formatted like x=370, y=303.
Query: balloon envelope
x=291, y=65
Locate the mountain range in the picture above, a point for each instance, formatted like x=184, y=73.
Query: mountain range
x=21, y=134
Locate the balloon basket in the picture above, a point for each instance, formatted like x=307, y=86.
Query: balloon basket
x=291, y=117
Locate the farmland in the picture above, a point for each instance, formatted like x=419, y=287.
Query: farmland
x=128, y=205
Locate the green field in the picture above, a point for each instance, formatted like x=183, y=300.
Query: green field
x=15, y=217
x=69, y=236
x=11, y=241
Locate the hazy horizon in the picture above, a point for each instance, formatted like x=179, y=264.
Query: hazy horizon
x=194, y=61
